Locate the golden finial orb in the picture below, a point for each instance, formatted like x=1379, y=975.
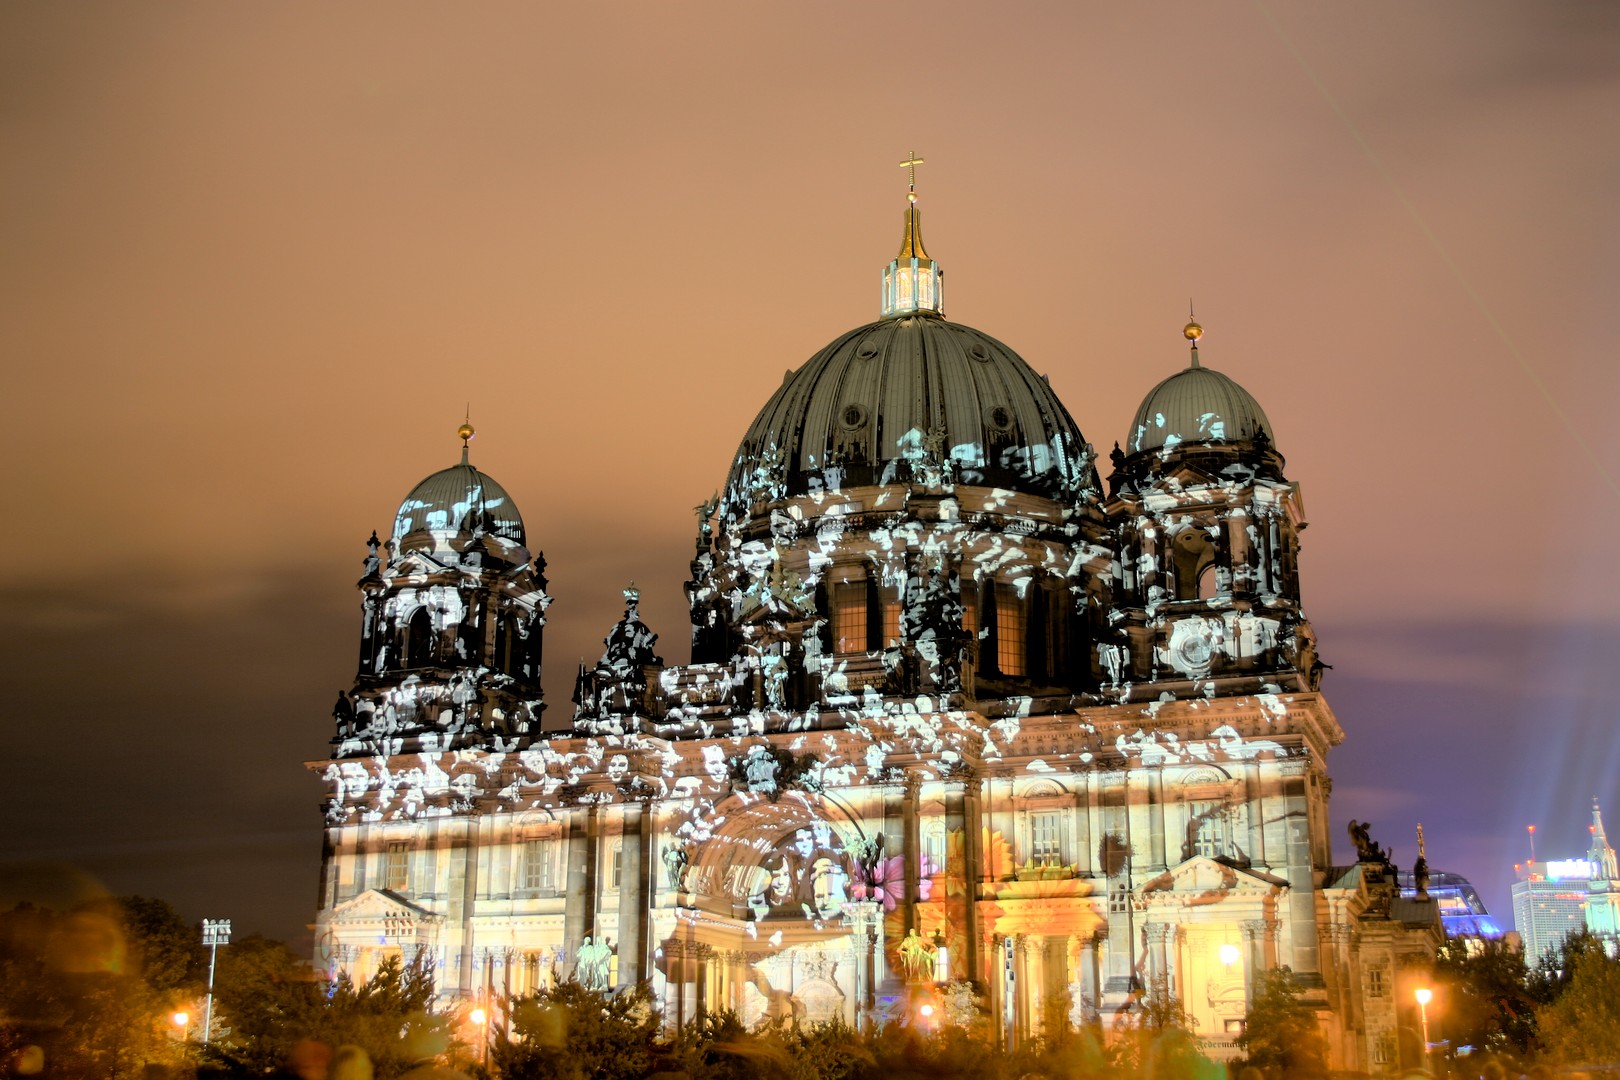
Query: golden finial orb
x=464, y=432
x=1192, y=331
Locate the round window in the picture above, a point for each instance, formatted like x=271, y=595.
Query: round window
x=854, y=416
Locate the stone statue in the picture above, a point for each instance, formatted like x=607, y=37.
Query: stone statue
x=761, y=770
x=675, y=866
x=343, y=713
x=591, y=965
x=917, y=956
x=1367, y=850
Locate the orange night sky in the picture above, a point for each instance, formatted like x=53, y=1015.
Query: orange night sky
x=258, y=259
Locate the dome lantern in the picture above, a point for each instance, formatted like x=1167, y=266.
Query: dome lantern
x=912, y=282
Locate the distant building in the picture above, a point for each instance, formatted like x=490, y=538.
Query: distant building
x=1461, y=910
x=957, y=708
x=1554, y=899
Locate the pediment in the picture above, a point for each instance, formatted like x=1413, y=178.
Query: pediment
x=379, y=905
x=1203, y=880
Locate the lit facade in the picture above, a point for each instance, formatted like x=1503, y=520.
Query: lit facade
x=956, y=709
x=1552, y=900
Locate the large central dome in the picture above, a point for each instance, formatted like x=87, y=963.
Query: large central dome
x=887, y=397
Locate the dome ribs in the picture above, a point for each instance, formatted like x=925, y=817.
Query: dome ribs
x=883, y=392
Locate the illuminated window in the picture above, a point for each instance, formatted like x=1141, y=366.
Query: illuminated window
x=891, y=623
x=849, y=616
x=1384, y=1050
x=614, y=871
x=1375, y=982
x=933, y=848
x=539, y=865
x=398, y=867
x=1206, y=827
x=1045, y=838
x=1011, y=659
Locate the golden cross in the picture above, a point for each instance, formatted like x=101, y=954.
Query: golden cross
x=911, y=166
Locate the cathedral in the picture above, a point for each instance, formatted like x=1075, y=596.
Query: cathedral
x=966, y=724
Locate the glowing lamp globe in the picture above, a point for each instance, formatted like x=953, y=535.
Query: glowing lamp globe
x=477, y=1016
x=1229, y=954
x=181, y=1019
x=1424, y=995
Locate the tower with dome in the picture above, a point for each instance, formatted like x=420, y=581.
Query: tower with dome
x=959, y=709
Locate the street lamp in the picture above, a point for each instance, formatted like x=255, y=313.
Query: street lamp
x=181, y=1018
x=216, y=932
x=481, y=1018
x=1424, y=995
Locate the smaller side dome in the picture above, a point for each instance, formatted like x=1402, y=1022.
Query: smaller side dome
x=1195, y=405
x=459, y=499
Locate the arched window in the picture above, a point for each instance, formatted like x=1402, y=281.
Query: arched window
x=1208, y=583
x=508, y=656
x=418, y=647
x=1191, y=555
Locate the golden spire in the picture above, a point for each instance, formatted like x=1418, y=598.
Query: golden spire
x=911, y=243
x=465, y=433
x=1192, y=332
x=913, y=282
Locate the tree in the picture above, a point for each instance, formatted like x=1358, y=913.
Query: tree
x=1153, y=1038
x=1489, y=1005
x=1582, y=1024
x=266, y=998
x=92, y=987
x=1281, y=1034
x=571, y=1033
x=270, y=1001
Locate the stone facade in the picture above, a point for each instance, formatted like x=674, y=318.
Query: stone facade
x=956, y=712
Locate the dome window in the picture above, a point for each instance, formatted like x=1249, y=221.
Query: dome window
x=1011, y=631
x=999, y=418
x=979, y=352
x=854, y=417
x=867, y=350
x=418, y=648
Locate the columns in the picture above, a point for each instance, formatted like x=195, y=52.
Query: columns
x=1259, y=942
x=1158, y=941
x=1301, y=899
x=580, y=906
x=866, y=915
x=635, y=893
x=1083, y=971
x=910, y=846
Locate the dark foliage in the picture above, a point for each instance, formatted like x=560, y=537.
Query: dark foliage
x=1281, y=1035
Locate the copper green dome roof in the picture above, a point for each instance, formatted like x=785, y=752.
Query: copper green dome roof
x=1195, y=405
x=894, y=398
x=458, y=499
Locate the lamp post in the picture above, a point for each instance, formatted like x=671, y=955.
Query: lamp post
x=216, y=932
x=181, y=1018
x=1424, y=995
x=481, y=1018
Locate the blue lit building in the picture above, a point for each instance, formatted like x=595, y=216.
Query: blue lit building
x=1461, y=910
